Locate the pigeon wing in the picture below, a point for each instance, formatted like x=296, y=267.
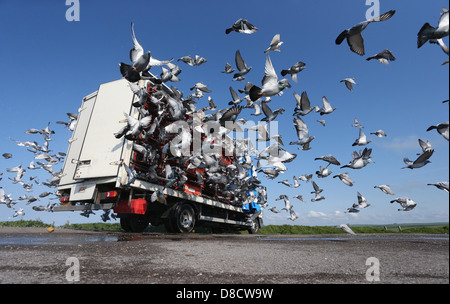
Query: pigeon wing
x=240, y=64
x=137, y=50
x=356, y=43
x=270, y=76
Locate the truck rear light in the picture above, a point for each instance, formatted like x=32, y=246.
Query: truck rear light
x=64, y=199
x=109, y=194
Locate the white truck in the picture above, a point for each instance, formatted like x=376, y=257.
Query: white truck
x=104, y=172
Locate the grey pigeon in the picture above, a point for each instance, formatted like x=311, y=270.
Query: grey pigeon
x=349, y=82
x=345, y=178
x=353, y=34
x=442, y=129
x=385, y=188
x=428, y=32
x=384, y=57
x=326, y=109
x=294, y=70
x=406, y=203
x=303, y=104
x=242, y=26
x=241, y=65
x=270, y=84
x=330, y=159
x=421, y=161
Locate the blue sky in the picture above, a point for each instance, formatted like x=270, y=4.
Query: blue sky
x=50, y=64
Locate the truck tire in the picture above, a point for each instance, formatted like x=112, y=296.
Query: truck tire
x=125, y=222
x=138, y=222
x=254, y=229
x=184, y=219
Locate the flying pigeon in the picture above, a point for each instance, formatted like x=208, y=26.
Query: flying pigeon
x=346, y=228
x=379, y=133
x=441, y=185
x=421, y=161
x=330, y=159
x=353, y=34
x=326, y=109
x=294, y=70
x=384, y=57
x=349, y=82
x=428, y=32
x=241, y=65
x=242, y=26
x=270, y=84
x=385, y=188
x=274, y=44
x=303, y=138
x=303, y=104
x=361, y=140
x=442, y=129
x=345, y=178
x=405, y=202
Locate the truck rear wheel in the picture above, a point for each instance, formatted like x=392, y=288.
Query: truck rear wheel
x=184, y=219
x=125, y=222
x=138, y=222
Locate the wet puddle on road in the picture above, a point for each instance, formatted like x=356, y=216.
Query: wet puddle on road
x=55, y=240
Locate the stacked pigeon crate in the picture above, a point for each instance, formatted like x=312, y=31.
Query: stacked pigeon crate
x=158, y=141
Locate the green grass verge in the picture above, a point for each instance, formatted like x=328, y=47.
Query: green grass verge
x=427, y=228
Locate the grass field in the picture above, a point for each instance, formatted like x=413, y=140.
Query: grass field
x=431, y=228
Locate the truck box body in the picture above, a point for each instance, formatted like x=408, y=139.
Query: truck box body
x=104, y=172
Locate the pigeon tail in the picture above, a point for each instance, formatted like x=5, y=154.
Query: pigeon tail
x=341, y=37
x=284, y=72
x=421, y=37
x=255, y=93
x=229, y=30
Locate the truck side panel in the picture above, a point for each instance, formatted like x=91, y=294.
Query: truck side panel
x=103, y=157
x=76, y=141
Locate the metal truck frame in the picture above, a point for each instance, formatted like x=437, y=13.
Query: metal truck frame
x=95, y=176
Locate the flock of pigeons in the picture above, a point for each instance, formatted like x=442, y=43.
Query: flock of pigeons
x=162, y=108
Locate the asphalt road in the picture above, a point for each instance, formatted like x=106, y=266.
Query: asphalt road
x=32, y=255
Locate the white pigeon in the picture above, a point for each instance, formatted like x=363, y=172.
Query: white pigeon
x=326, y=109
x=380, y=133
x=405, y=202
x=441, y=185
x=362, y=139
x=385, y=188
x=274, y=44
x=346, y=228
